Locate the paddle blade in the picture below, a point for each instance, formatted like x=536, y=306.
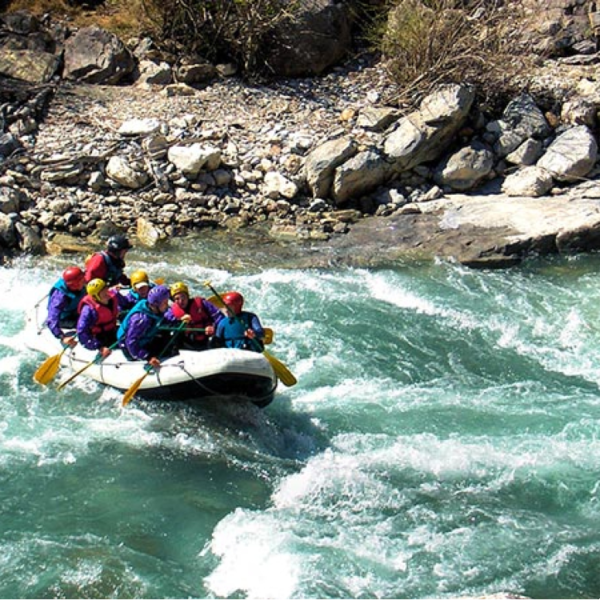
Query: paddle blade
x=132, y=391
x=47, y=371
x=216, y=301
x=283, y=373
x=269, y=333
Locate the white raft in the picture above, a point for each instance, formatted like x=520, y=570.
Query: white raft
x=189, y=375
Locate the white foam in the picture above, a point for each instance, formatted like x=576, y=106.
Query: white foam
x=254, y=558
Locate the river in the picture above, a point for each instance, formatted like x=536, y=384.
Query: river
x=443, y=441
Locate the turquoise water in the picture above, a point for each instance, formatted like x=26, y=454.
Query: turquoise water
x=443, y=441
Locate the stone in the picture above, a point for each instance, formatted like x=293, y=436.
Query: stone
x=572, y=155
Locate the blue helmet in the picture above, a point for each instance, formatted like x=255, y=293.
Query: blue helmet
x=158, y=294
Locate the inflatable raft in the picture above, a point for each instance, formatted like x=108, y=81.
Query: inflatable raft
x=189, y=375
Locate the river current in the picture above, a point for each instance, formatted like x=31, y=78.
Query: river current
x=443, y=441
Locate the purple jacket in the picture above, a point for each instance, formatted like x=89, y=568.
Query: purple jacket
x=141, y=328
x=87, y=319
x=62, y=306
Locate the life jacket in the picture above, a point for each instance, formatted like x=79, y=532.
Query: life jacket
x=141, y=307
x=107, y=313
x=114, y=267
x=233, y=330
x=69, y=311
x=200, y=317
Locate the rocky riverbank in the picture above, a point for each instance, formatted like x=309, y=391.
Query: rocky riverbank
x=326, y=160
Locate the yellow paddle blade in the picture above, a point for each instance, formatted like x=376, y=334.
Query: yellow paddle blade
x=283, y=373
x=47, y=371
x=132, y=391
x=216, y=301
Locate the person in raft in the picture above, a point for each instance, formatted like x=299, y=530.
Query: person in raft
x=98, y=312
x=63, y=302
x=109, y=264
x=204, y=317
x=140, y=335
x=240, y=328
x=140, y=286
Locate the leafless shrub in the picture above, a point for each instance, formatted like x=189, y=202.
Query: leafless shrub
x=218, y=29
x=430, y=42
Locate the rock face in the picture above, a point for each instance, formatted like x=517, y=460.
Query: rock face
x=479, y=231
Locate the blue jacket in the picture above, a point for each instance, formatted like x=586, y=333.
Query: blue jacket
x=230, y=331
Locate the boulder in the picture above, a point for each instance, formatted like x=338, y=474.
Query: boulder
x=572, y=155
x=310, y=40
x=531, y=181
x=321, y=163
x=29, y=240
x=8, y=234
x=361, y=174
x=119, y=170
x=33, y=66
x=94, y=55
x=466, y=168
x=424, y=135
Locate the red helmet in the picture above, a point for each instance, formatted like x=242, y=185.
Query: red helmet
x=235, y=300
x=73, y=276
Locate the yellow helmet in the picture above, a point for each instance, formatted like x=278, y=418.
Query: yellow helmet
x=138, y=276
x=94, y=287
x=179, y=287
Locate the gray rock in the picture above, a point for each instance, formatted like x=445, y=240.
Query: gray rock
x=312, y=39
x=572, y=155
x=530, y=181
x=527, y=153
x=29, y=240
x=359, y=175
x=424, y=135
x=466, y=168
x=8, y=234
x=29, y=65
x=321, y=163
x=94, y=55
x=121, y=171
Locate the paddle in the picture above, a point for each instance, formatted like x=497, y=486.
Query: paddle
x=283, y=373
x=47, y=371
x=135, y=386
x=268, y=339
x=96, y=360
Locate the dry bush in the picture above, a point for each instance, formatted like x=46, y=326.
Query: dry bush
x=124, y=18
x=429, y=42
x=218, y=29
